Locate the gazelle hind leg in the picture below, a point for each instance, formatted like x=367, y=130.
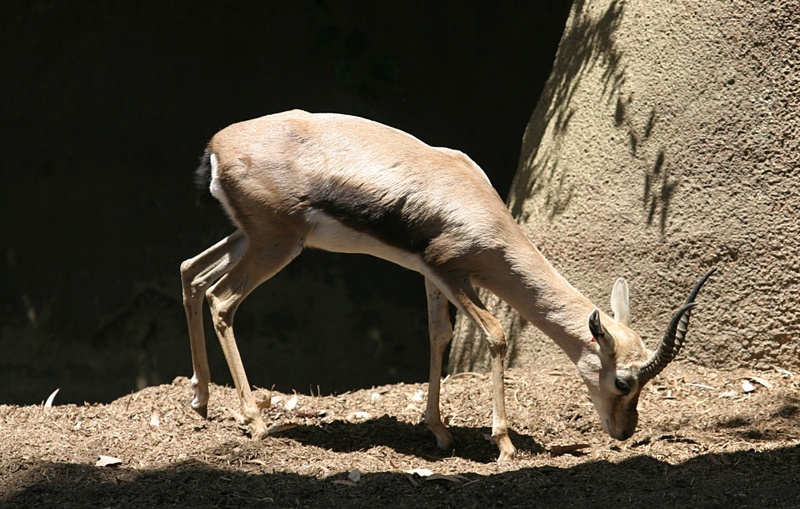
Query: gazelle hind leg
x=256, y=266
x=466, y=299
x=197, y=275
x=441, y=331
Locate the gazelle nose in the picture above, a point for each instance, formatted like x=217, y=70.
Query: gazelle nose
x=620, y=434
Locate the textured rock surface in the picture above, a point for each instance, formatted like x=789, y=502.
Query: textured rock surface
x=666, y=143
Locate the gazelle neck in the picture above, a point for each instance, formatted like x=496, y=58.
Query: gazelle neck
x=533, y=287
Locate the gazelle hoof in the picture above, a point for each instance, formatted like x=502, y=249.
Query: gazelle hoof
x=507, y=449
x=444, y=441
x=506, y=456
x=202, y=410
x=260, y=432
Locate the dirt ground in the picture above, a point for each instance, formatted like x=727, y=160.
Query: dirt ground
x=705, y=439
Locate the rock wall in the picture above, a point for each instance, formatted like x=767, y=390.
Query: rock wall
x=665, y=143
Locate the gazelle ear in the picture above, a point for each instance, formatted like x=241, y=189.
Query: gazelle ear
x=619, y=302
x=605, y=340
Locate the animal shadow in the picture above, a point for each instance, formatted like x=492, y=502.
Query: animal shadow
x=413, y=439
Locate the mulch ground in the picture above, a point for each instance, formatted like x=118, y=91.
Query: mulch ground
x=706, y=439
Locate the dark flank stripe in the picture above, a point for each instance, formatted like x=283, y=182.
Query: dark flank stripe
x=386, y=219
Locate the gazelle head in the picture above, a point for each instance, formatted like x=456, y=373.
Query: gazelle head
x=623, y=364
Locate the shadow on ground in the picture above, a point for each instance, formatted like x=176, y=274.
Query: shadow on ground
x=405, y=438
x=744, y=479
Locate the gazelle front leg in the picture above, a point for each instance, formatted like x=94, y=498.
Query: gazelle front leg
x=197, y=275
x=467, y=300
x=497, y=350
x=441, y=331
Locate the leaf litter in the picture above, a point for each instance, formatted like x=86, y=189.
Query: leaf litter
x=700, y=433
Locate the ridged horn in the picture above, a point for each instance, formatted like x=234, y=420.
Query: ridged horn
x=674, y=337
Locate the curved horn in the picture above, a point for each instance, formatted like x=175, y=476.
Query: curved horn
x=673, y=339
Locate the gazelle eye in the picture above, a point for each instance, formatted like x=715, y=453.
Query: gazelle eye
x=622, y=385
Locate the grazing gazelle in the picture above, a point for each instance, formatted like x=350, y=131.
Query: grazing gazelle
x=340, y=183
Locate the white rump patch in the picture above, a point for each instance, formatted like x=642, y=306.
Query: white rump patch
x=216, y=189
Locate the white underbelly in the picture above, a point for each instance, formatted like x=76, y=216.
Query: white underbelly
x=329, y=234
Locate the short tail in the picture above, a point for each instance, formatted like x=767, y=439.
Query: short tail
x=202, y=178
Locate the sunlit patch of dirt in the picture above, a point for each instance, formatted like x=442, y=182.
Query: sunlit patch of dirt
x=706, y=438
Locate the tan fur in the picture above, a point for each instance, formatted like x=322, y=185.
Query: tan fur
x=272, y=169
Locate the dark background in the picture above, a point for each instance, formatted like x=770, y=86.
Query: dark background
x=106, y=107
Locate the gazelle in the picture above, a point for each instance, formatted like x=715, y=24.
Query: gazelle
x=345, y=184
